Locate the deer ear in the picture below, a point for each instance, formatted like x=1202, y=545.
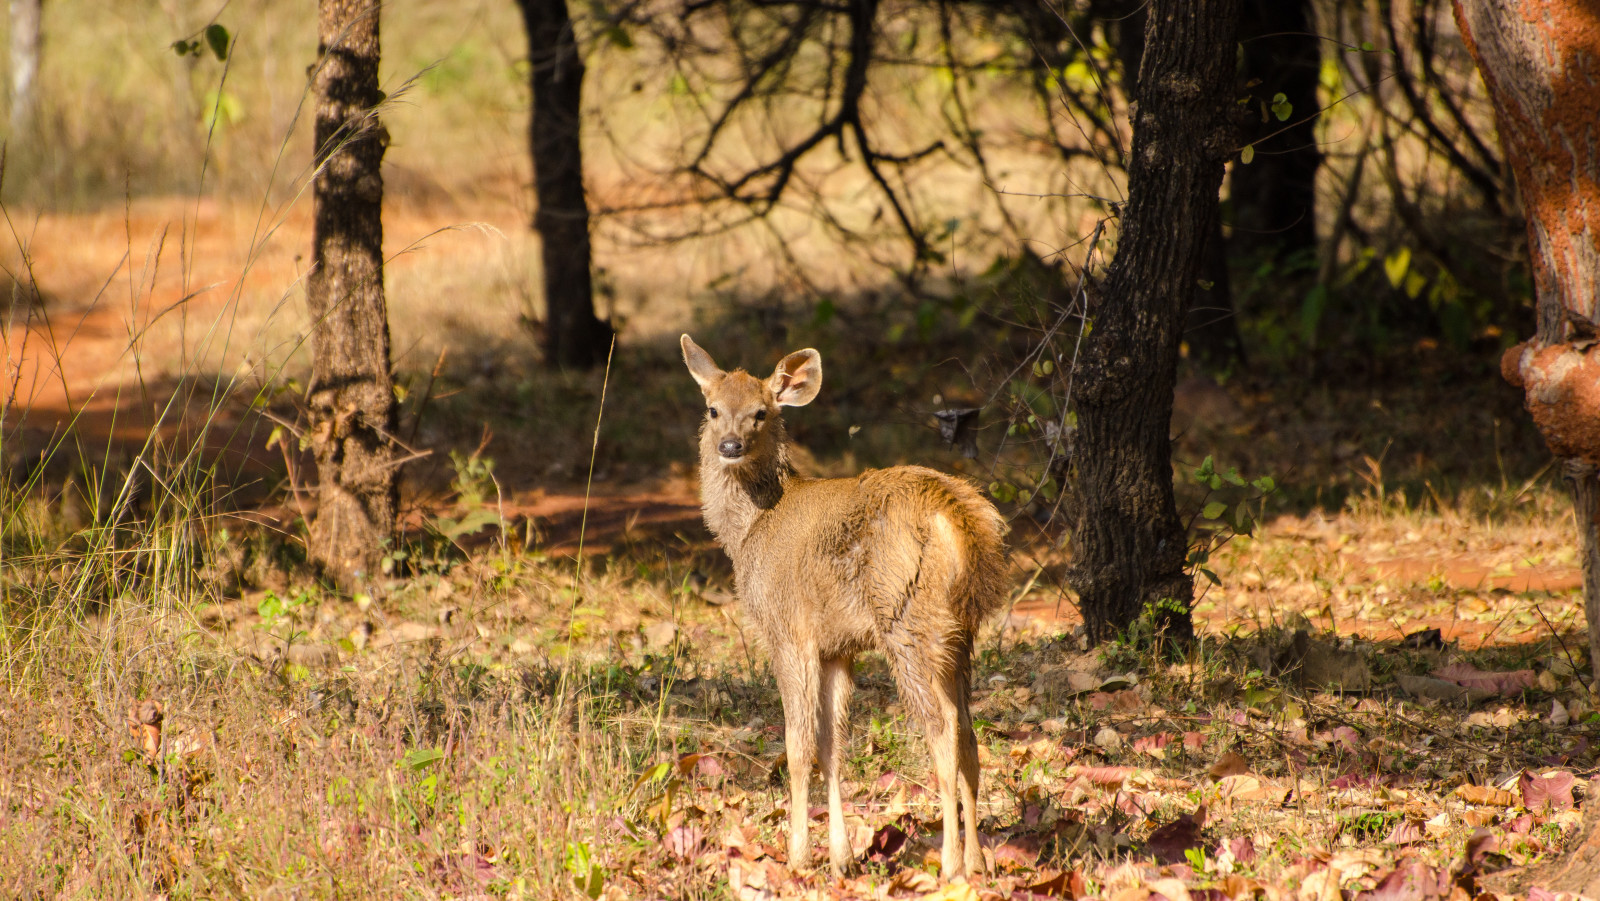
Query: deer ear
x=797, y=379
x=701, y=366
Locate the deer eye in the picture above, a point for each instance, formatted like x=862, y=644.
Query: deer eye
x=761, y=415
x=713, y=412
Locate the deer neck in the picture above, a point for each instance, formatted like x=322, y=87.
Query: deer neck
x=734, y=497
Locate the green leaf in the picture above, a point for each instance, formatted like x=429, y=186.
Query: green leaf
x=271, y=606
x=1243, y=522
x=1233, y=477
x=1415, y=282
x=1396, y=265
x=1266, y=484
x=419, y=759
x=1281, y=107
x=1004, y=492
x=1214, y=510
x=217, y=39
x=1247, y=154
x=1210, y=575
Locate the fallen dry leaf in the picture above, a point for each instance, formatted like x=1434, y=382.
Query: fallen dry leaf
x=1106, y=776
x=886, y=843
x=1405, y=832
x=954, y=891
x=1469, y=676
x=1171, y=843
x=1229, y=764
x=1548, y=791
x=684, y=841
x=1071, y=885
x=1485, y=794
x=1412, y=880
x=1019, y=852
x=911, y=880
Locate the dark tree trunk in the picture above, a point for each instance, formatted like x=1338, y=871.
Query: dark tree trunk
x=1211, y=329
x=1128, y=545
x=25, y=41
x=1274, y=197
x=351, y=396
x=1538, y=60
x=574, y=337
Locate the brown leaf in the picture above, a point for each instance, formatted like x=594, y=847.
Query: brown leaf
x=1020, y=852
x=1154, y=745
x=1106, y=776
x=1243, y=848
x=1412, y=880
x=886, y=843
x=1405, y=832
x=1503, y=683
x=1486, y=794
x=684, y=841
x=1169, y=843
x=1070, y=885
x=1552, y=790
x=1229, y=764
x=912, y=880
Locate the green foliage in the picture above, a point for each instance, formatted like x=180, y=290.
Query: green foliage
x=213, y=37
x=587, y=875
x=1230, y=508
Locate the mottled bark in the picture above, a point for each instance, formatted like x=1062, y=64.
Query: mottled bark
x=1128, y=544
x=25, y=41
x=1541, y=62
x=574, y=336
x=351, y=394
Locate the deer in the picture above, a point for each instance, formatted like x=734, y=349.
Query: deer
x=907, y=561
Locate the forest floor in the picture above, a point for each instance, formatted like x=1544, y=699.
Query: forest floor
x=551, y=692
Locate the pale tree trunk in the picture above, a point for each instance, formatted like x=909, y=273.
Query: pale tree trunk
x=25, y=40
x=351, y=395
x=1541, y=62
x=1128, y=544
x=573, y=336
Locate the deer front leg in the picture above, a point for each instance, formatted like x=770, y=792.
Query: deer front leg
x=833, y=723
x=798, y=681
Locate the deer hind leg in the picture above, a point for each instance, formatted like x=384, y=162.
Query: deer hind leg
x=923, y=675
x=967, y=744
x=832, y=725
x=798, y=681
x=944, y=746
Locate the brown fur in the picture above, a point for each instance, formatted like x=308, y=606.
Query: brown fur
x=908, y=561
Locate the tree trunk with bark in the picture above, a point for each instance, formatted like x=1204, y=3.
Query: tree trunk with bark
x=351, y=393
x=1541, y=62
x=574, y=337
x=25, y=40
x=1128, y=544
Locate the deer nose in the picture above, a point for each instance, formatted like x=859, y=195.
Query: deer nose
x=731, y=448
